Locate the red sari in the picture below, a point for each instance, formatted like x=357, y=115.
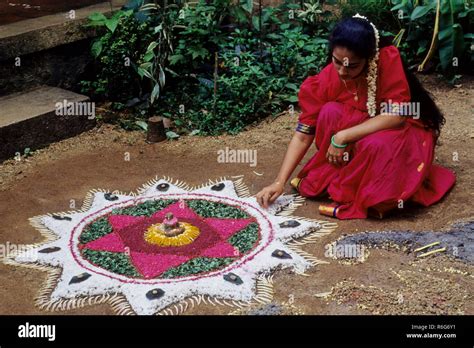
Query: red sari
x=387, y=167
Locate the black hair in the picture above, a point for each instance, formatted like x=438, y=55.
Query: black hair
x=357, y=35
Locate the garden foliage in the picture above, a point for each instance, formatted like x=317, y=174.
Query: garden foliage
x=215, y=66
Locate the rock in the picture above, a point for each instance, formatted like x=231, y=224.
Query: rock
x=218, y=187
x=49, y=250
x=110, y=197
x=60, y=217
x=155, y=294
x=233, y=278
x=281, y=254
x=163, y=187
x=80, y=278
x=289, y=224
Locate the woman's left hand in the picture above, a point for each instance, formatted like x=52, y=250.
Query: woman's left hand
x=337, y=156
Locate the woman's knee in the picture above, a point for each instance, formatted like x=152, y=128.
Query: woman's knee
x=374, y=142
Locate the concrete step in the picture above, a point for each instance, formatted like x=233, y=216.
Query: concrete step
x=11, y=12
x=37, y=34
x=50, y=50
x=38, y=117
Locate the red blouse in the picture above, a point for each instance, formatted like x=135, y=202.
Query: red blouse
x=326, y=86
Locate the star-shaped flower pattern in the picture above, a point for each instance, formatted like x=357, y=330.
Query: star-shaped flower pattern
x=75, y=281
x=152, y=260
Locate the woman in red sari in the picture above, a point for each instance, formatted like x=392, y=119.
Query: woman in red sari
x=375, y=128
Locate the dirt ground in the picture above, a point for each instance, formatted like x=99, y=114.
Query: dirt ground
x=390, y=281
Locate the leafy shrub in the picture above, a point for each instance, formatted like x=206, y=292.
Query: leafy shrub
x=116, y=50
x=251, y=84
x=261, y=61
x=199, y=34
x=295, y=54
x=377, y=11
x=451, y=36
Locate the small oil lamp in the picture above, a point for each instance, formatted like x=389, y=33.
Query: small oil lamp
x=171, y=226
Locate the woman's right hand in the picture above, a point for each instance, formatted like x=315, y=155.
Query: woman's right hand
x=268, y=194
x=299, y=144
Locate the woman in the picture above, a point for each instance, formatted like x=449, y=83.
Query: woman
x=375, y=128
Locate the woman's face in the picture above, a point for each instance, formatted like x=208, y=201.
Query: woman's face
x=347, y=64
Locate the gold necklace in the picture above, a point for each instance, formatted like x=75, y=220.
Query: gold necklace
x=356, y=94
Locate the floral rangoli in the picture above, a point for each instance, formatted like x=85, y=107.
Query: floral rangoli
x=169, y=246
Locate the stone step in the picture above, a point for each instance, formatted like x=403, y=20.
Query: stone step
x=50, y=50
x=38, y=117
x=11, y=12
x=42, y=33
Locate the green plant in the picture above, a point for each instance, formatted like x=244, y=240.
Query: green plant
x=241, y=97
x=295, y=54
x=120, y=44
x=220, y=77
x=244, y=94
x=312, y=9
x=98, y=19
x=198, y=31
x=153, y=62
x=152, y=68
x=248, y=87
x=447, y=20
x=377, y=11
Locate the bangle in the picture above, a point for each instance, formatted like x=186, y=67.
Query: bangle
x=337, y=145
x=306, y=129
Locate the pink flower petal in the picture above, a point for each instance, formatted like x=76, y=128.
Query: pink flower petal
x=152, y=265
x=227, y=227
x=221, y=249
x=121, y=221
x=110, y=242
x=179, y=210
